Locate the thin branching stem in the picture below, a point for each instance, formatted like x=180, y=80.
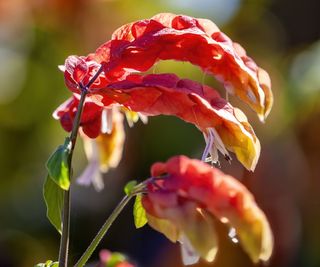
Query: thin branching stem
x=64, y=241
x=138, y=189
x=65, y=236
x=95, y=242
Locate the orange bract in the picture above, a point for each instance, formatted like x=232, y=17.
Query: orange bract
x=190, y=192
x=139, y=45
x=90, y=122
x=166, y=94
x=136, y=47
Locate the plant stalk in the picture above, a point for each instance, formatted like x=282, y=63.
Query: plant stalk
x=64, y=241
x=65, y=236
x=95, y=242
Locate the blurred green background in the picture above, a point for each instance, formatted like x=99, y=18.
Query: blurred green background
x=283, y=36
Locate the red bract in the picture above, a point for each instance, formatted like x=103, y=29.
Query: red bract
x=90, y=122
x=78, y=71
x=103, y=135
x=183, y=196
x=166, y=94
x=139, y=45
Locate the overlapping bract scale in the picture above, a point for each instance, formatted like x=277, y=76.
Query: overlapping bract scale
x=90, y=122
x=187, y=193
x=184, y=194
x=139, y=45
x=166, y=94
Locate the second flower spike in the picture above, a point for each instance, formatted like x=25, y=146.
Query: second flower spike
x=183, y=197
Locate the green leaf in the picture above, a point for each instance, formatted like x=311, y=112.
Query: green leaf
x=58, y=165
x=130, y=186
x=53, y=196
x=48, y=264
x=139, y=213
x=115, y=259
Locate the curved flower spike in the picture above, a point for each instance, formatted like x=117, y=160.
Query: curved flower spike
x=166, y=94
x=139, y=45
x=185, y=195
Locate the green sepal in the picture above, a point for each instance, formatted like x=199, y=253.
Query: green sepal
x=58, y=165
x=115, y=259
x=139, y=213
x=53, y=197
x=129, y=187
x=48, y=264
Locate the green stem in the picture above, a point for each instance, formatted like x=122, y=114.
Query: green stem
x=64, y=241
x=95, y=242
x=76, y=123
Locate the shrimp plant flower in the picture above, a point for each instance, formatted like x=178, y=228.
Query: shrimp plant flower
x=184, y=196
x=117, y=68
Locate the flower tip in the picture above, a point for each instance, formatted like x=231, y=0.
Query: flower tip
x=250, y=160
x=262, y=117
x=62, y=68
x=259, y=245
x=211, y=254
x=188, y=253
x=268, y=244
x=266, y=114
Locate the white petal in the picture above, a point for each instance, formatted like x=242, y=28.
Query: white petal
x=143, y=118
x=91, y=171
x=218, y=143
x=62, y=68
x=214, y=154
x=91, y=174
x=106, y=120
x=90, y=148
x=97, y=181
x=189, y=255
x=209, y=143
